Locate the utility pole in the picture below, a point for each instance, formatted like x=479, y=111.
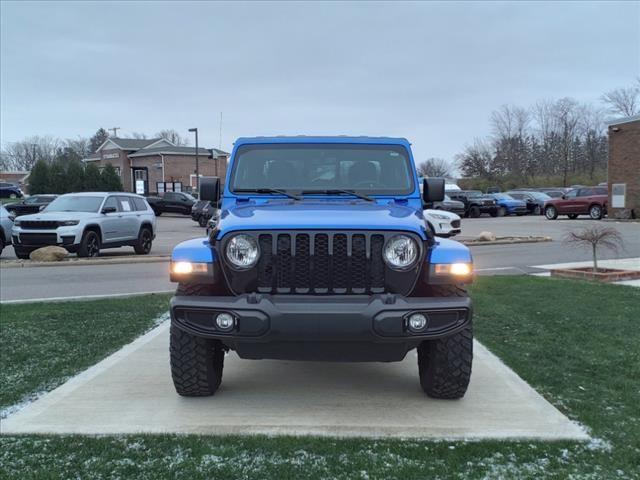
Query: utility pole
x=195, y=130
x=115, y=130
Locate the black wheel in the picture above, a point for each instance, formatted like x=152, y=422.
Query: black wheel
x=444, y=364
x=145, y=241
x=537, y=210
x=22, y=253
x=551, y=212
x=196, y=363
x=474, y=212
x=573, y=216
x=595, y=212
x=89, y=245
x=202, y=221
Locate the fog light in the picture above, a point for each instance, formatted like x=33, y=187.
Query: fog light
x=225, y=322
x=417, y=322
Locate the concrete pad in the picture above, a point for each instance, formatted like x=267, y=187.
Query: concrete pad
x=131, y=392
x=622, y=263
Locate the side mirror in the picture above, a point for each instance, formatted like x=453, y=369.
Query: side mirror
x=210, y=189
x=432, y=190
x=106, y=210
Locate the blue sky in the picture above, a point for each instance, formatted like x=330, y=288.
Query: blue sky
x=431, y=72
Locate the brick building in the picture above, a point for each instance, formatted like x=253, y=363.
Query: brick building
x=624, y=167
x=157, y=165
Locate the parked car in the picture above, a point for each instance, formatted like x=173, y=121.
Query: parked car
x=202, y=211
x=337, y=268
x=172, y=202
x=32, y=204
x=442, y=223
x=10, y=190
x=590, y=201
x=85, y=223
x=535, y=200
x=453, y=206
x=6, y=224
x=475, y=202
x=508, y=205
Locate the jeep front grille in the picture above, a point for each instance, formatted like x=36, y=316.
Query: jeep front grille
x=319, y=262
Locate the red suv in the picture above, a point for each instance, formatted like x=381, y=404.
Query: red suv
x=590, y=201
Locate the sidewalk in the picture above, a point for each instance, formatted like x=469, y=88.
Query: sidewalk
x=621, y=263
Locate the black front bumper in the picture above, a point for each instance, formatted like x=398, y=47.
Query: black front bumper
x=306, y=327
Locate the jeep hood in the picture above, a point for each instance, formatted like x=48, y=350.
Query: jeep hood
x=321, y=215
x=59, y=216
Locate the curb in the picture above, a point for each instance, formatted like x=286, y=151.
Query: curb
x=473, y=243
x=82, y=262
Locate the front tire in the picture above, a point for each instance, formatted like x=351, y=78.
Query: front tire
x=444, y=364
x=22, y=253
x=196, y=364
x=89, y=245
x=551, y=212
x=202, y=221
x=474, y=212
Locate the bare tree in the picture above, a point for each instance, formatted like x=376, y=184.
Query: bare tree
x=139, y=136
x=434, y=167
x=595, y=237
x=476, y=160
x=22, y=155
x=173, y=136
x=623, y=101
x=81, y=146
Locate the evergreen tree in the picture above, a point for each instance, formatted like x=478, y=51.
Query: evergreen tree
x=92, y=178
x=58, y=177
x=98, y=139
x=110, y=179
x=75, y=176
x=39, y=178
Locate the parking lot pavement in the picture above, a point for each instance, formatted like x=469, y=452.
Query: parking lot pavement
x=131, y=392
x=67, y=281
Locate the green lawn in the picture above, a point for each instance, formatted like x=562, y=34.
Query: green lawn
x=577, y=343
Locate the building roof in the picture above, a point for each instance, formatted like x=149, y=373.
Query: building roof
x=618, y=121
x=170, y=151
x=133, y=143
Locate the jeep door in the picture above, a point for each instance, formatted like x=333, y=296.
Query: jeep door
x=113, y=224
x=129, y=216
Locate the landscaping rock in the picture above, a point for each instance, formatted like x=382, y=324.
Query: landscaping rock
x=487, y=237
x=48, y=254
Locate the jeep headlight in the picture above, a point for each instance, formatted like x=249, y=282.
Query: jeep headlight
x=242, y=251
x=401, y=252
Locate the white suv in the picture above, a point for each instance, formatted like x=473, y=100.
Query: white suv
x=84, y=223
x=443, y=223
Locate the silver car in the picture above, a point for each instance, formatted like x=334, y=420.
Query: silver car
x=6, y=223
x=85, y=223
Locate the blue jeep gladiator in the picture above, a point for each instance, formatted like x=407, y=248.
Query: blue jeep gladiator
x=321, y=252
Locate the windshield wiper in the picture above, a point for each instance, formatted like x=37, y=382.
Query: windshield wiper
x=336, y=191
x=268, y=190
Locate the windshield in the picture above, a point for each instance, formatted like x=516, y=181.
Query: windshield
x=539, y=195
x=372, y=169
x=474, y=193
x=75, y=203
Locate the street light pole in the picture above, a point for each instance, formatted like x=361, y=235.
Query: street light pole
x=195, y=130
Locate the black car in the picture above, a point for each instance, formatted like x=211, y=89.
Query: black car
x=10, y=190
x=202, y=211
x=475, y=203
x=172, y=202
x=535, y=200
x=29, y=205
x=453, y=206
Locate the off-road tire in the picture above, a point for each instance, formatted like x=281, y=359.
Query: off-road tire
x=202, y=221
x=444, y=364
x=145, y=241
x=596, y=212
x=89, y=245
x=551, y=212
x=572, y=216
x=474, y=212
x=196, y=364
